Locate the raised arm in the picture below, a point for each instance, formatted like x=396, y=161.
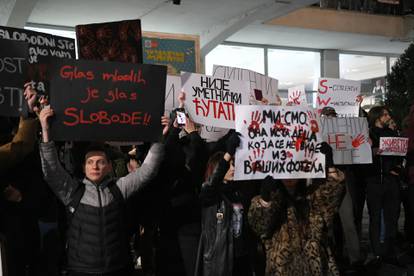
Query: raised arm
x=134, y=181
x=60, y=181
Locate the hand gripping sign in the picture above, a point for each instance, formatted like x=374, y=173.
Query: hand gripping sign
x=280, y=141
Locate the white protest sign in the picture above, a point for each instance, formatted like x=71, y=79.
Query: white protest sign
x=297, y=95
x=211, y=100
x=339, y=94
x=348, y=138
x=212, y=134
x=282, y=141
x=263, y=89
x=396, y=146
x=172, y=89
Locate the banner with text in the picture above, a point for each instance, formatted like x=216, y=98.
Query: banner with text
x=210, y=100
x=340, y=94
x=280, y=141
x=13, y=70
x=396, y=146
x=297, y=95
x=263, y=89
x=106, y=101
x=348, y=138
x=41, y=46
x=110, y=41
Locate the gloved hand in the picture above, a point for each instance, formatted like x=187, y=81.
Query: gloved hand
x=268, y=185
x=327, y=150
x=232, y=143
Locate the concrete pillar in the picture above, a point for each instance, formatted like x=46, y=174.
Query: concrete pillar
x=330, y=64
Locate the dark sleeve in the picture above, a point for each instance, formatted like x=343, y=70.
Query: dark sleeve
x=210, y=190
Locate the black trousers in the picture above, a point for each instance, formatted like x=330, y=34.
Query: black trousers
x=383, y=196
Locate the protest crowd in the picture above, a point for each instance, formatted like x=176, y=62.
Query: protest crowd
x=270, y=196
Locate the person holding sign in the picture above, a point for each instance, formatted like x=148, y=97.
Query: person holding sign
x=292, y=221
x=97, y=242
x=223, y=248
x=383, y=190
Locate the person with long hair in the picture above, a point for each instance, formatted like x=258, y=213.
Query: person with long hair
x=223, y=242
x=292, y=220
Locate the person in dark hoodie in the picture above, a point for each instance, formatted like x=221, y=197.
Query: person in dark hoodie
x=183, y=170
x=383, y=191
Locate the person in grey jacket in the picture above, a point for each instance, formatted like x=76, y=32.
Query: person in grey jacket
x=97, y=240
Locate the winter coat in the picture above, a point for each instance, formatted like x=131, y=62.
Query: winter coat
x=297, y=249
x=222, y=220
x=96, y=236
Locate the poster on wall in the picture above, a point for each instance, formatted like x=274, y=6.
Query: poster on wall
x=106, y=101
x=263, y=89
x=281, y=141
x=41, y=47
x=110, y=41
x=211, y=100
x=348, y=138
x=394, y=146
x=340, y=94
x=178, y=52
x=297, y=95
x=13, y=74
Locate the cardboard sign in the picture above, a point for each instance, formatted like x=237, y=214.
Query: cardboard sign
x=339, y=94
x=263, y=89
x=297, y=95
x=110, y=41
x=213, y=134
x=172, y=89
x=279, y=141
x=13, y=70
x=41, y=46
x=348, y=138
x=210, y=100
x=395, y=146
x=179, y=52
x=106, y=101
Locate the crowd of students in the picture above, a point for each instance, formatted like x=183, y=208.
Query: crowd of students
x=89, y=208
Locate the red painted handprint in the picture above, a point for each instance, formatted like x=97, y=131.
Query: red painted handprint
x=313, y=122
x=301, y=138
x=358, y=141
x=256, y=121
x=255, y=158
x=294, y=98
x=278, y=125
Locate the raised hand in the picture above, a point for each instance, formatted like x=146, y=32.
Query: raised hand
x=165, y=122
x=30, y=96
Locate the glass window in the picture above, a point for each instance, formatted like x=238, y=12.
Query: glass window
x=251, y=58
x=294, y=68
x=358, y=67
x=371, y=71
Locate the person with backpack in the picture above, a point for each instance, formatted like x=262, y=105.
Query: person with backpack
x=97, y=242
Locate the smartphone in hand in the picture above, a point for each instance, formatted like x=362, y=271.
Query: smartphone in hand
x=181, y=117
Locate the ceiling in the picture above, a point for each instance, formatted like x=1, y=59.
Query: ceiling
x=213, y=20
